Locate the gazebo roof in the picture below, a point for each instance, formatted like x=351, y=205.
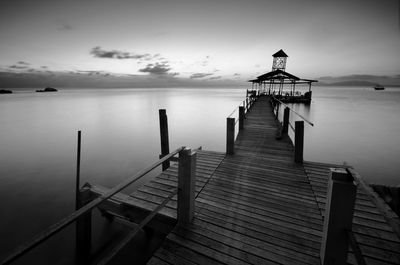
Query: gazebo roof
x=279, y=75
x=280, y=53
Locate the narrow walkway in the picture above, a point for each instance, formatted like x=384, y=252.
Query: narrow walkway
x=257, y=208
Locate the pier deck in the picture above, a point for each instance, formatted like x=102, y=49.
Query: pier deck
x=259, y=207
x=253, y=206
x=256, y=207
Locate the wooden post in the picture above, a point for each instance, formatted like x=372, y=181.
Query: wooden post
x=247, y=104
x=285, y=127
x=164, y=137
x=298, y=141
x=339, y=211
x=241, y=118
x=230, y=135
x=78, y=169
x=186, y=186
x=84, y=230
x=277, y=109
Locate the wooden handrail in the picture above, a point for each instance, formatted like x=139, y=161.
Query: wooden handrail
x=57, y=227
x=237, y=107
x=391, y=218
x=132, y=233
x=234, y=110
x=301, y=116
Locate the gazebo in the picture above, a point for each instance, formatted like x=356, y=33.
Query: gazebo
x=280, y=83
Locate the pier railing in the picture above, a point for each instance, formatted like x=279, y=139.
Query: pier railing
x=237, y=116
x=298, y=128
x=82, y=216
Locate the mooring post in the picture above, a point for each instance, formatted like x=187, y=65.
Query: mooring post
x=241, y=118
x=285, y=127
x=339, y=211
x=78, y=170
x=84, y=224
x=230, y=135
x=186, y=186
x=84, y=229
x=164, y=137
x=298, y=141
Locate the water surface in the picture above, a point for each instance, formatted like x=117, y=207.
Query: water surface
x=357, y=125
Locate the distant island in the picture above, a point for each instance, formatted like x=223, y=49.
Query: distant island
x=47, y=89
x=5, y=91
x=352, y=83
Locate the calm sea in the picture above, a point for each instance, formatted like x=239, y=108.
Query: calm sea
x=120, y=136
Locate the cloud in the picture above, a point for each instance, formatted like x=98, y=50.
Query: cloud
x=157, y=69
x=236, y=74
x=19, y=65
x=65, y=27
x=215, y=77
x=16, y=66
x=200, y=75
x=92, y=73
x=115, y=54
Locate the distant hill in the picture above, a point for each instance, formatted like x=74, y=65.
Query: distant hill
x=360, y=80
x=353, y=83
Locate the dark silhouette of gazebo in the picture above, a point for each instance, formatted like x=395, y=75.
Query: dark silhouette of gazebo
x=280, y=83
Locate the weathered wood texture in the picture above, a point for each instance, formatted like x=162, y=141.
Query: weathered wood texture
x=377, y=240
x=257, y=208
x=260, y=207
x=136, y=206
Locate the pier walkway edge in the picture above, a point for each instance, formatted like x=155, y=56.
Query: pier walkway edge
x=258, y=206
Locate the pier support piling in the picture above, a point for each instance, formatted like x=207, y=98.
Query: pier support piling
x=84, y=229
x=78, y=170
x=164, y=137
x=84, y=224
x=298, y=141
x=186, y=186
x=241, y=118
x=339, y=211
x=285, y=127
x=230, y=136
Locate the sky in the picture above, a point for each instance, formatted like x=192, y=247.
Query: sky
x=198, y=40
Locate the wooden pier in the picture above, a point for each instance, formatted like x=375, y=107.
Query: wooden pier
x=255, y=205
x=258, y=206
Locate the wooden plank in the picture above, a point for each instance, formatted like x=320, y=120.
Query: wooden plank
x=226, y=235
x=240, y=245
x=259, y=207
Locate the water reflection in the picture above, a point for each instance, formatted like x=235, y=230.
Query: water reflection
x=120, y=137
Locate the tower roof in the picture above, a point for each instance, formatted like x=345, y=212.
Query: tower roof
x=280, y=53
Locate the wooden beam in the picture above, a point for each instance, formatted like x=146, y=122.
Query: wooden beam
x=84, y=230
x=298, y=141
x=186, y=186
x=285, y=126
x=230, y=136
x=164, y=137
x=338, y=218
x=241, y=118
